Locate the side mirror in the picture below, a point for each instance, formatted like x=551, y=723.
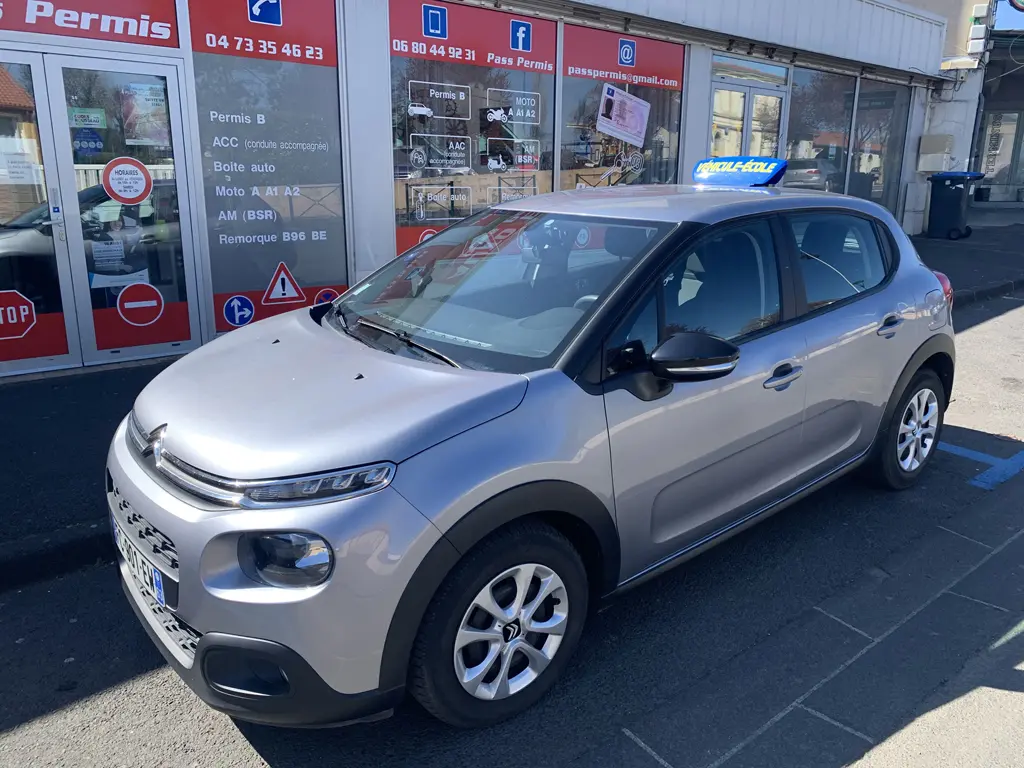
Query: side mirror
x=694, y=356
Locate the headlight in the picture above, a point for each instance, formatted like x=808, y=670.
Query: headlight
x=318, y=488
x=286, y=559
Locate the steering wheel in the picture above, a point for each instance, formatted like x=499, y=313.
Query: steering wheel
x=584, y=301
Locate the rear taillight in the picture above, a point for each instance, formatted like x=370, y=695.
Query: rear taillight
x=947, y=287
x=814, y=172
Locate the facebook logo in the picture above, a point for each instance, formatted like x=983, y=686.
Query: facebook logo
x=435, y=21
x=627, y=52
x=266, y=12
x=522, y=36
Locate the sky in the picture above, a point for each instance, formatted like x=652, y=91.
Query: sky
x=1007, y=17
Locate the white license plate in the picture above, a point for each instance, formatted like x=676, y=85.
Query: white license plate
x=150, y=578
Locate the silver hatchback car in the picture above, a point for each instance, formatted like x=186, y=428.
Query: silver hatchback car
x=426, y=485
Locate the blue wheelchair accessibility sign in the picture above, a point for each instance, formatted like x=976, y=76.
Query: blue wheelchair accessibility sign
x=239, y=311
x=266, y=12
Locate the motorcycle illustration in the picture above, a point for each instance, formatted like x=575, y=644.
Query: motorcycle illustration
x=497, y=115
x=496, y=164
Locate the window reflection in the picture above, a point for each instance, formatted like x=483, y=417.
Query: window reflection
x=817, y=142
x=882, y=113
x=727, y=120
x=997, y=147
x=749, y=69
x=28, y=262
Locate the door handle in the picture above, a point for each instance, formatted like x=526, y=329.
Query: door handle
x=890, y=325
x=783, y=376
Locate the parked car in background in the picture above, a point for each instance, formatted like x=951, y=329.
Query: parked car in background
x=814, y=174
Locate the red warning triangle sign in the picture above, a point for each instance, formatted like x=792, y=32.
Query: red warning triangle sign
x=283, y=288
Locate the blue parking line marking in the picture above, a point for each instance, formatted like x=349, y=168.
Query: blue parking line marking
x=999, y=471
x=967, y=453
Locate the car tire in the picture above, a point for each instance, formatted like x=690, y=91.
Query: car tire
x=513, y=679
x=892, y=465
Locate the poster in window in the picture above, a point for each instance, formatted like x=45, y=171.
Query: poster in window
x=144, y=112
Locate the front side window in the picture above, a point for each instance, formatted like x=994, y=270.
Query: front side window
x=727, y=285
x=839, y=256
x=501, y=291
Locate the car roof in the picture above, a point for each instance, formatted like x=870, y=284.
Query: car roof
x=686, y=202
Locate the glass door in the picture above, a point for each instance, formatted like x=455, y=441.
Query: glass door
x=765, y=121
x=118, y=138
x=38, y=329
x=746, y=121
x=729, y=122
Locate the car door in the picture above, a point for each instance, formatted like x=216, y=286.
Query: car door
x=692, y=458
x=853, y=318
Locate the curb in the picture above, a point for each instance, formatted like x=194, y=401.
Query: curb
x=44, y=556
x=966, y=296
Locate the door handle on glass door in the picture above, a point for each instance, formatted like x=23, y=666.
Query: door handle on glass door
x=890, y=325
x=783, y=376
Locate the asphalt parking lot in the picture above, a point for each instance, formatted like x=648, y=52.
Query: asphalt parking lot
x=809, y=640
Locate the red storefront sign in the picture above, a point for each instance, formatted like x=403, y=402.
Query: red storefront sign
x=619, y=58
x=145, y=22
x=462, y=34
x=306, y=34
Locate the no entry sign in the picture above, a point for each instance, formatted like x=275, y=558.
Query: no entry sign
x=140, y=304
x=127, y=180
x=17, y=315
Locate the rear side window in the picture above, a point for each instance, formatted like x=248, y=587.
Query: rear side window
x=839, y=256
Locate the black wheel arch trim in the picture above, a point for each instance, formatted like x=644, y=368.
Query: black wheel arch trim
x=537, y=498
x=937, y=344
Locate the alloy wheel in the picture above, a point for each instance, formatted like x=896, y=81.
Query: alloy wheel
x=918, y=430
x=511, y=631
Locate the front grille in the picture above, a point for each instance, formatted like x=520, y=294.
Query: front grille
x=179, y=633
x=150, y=539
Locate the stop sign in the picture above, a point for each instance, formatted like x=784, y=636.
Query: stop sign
x=17, y=315
x=140, y=304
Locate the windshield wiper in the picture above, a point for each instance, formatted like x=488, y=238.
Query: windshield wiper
x=403, y=336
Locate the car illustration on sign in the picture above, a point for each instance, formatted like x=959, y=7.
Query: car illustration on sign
x=420, y=110
x=378, y=513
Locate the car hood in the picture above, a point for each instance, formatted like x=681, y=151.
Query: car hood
x=288, y=397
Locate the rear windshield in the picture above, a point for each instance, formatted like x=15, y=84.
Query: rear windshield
x=503, y=290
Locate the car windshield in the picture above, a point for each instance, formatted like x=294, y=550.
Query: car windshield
x=501, y=291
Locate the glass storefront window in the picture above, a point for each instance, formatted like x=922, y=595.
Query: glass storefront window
x=750, y=70
x=818, y=139
x=28, y=260
x=270, y=133
x=999, y=137
x=472, y=95
x=765, y=124
x=883, y=110
x=599, y=146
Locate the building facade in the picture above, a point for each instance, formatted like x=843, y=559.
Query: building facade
x=174, y=169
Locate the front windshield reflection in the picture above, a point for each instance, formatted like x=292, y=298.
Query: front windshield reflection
x=503, y=290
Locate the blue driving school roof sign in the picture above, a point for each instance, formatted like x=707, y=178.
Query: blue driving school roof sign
x=740, y=171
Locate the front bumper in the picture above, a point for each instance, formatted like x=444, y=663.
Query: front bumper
x=278, y=656
x=262, y=681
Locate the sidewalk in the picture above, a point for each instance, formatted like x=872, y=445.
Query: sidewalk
x=57, y=428
x=988, y=263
